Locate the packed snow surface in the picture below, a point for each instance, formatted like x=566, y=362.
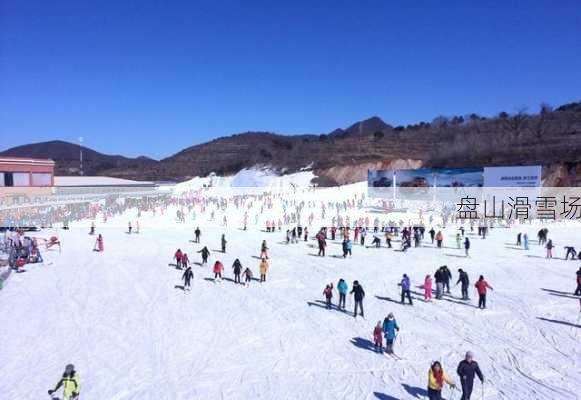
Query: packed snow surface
x=132, y=334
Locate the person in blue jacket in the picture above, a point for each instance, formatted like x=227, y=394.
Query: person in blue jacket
x=343, y=289
x=389, y=331
x=405, y=289
x=347, y=246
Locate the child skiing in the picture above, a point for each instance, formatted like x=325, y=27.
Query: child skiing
x=378, y=337
x=247, y=276
x=185, y=260
x=428, y=288
x=99, y=246
x=328, y=293
x=218, y=268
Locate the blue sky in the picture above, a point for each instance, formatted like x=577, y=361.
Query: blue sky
x=152, y=77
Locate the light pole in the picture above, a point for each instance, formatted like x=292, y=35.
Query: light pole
x=81, y=153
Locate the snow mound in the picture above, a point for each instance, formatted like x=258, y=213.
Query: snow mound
x=255, y=177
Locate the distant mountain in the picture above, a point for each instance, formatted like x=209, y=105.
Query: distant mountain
x=66, y=156
x=551, y=138
x=363, y=128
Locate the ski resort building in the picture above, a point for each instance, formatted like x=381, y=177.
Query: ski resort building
x=28, y=177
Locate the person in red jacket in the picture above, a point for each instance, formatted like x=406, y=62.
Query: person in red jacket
x=378, y=337
x=218, y=268
x=185, y=260
x=481, y=287
x=328, y=293
x=178, y=257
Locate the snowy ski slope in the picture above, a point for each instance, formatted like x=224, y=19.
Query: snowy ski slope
x=132, y=334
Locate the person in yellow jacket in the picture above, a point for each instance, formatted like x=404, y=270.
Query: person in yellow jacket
x=263, y=269
x=436, y=379
x=70, y=383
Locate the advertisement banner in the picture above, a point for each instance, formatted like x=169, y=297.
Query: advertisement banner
x=525, y=176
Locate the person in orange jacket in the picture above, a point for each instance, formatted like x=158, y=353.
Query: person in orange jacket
x=263, y=269
x=218, y=268
x=439, y=239
x=481, y=287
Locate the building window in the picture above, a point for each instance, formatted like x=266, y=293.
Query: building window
x=41, y=179
x=2, y=178
x=21, y=178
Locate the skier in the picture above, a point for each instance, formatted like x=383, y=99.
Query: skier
x=466, y=370
x=439, y=277
x=129, y=228
x=389, y=330
x=465, y=282
x=459, y=241
x=436, y=379
x=92, y=231
x=342, y=288
x=467, y=246
x=447, y=277
x=570, y=251
x=237, y=267
x=378, y=337
x=328, y=293
x=306, y=235
x=223, y=243
x=322, y=243
x=263, y=250
x=359, y=294
x=526, y=241
x=178, y=257
x=197, y=234
x=363, y=234
x=247, y=276
x=187, y=277
x=388, y=238
x=263, y=269
x=432, y=233
x=185, y=260
x=347, y=246
x=518, y=239
x=70, y=382
x=405, y=289
x=439, y=239
x=578, y=290
x=376, y=241
x=205, y=253
x=549, y=247
x=99, y=246
x=428, y=288
x=481, y=286
x=218, y=268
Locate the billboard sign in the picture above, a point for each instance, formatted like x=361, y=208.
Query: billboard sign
x=525, y=176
